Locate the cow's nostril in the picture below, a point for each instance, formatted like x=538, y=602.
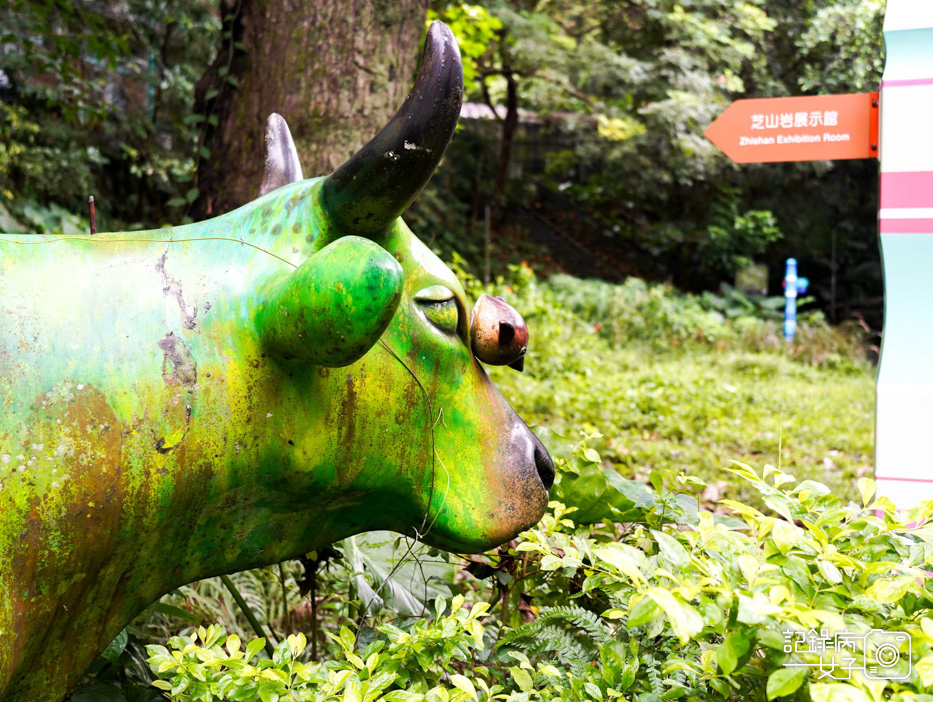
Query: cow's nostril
x=545, y=465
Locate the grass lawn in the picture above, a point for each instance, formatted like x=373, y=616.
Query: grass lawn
x=696, y=407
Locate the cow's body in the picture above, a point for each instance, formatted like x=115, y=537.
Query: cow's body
x=181, y=403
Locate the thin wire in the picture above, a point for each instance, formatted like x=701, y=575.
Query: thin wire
x=446, y=492
x=440, y=418
x=409, y=551
x=434, y=455
x=102, y=240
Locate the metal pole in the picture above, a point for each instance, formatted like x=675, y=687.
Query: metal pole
x=790, y=300
x=487, y=275
x=90, y=206
x=832, y=281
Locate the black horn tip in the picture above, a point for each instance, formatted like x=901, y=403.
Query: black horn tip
x=439, y=37
x=371, y=190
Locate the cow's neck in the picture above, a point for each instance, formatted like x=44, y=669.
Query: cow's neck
x=126, y=552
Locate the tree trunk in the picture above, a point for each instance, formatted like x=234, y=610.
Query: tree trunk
x=509, y=126
x=337, y=70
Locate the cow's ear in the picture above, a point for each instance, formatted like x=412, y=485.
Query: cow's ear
x=280, y=161
x=333, y=307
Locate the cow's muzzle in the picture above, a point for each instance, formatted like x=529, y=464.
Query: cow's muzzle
x=543, y=462
x=528, y=451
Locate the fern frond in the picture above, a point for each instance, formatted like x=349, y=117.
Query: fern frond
x=583, y=620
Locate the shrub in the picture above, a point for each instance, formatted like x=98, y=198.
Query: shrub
x=631, y=591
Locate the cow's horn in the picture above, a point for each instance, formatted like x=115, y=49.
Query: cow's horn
x=280, y=163
x=367, y=193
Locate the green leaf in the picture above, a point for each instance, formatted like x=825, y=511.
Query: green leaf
x=296, y=643
x=721, y=686
x=116, y=647
x=162, y=607
x=254, y=647
x=838, y=692
x=463, y=683
x=657, y=480
x=829, y=571
x=866, y=488
x=781, y=505
x=785, y=681
x=785, y=535
x=671, y=549
x=770, y=638
x=684, y=619
x=726, y=657
x=644, y=611
x=813, y=487
x=890, y=590
x=924, y=668
x=625, y=558
x=598, y=494
x=522, y=679
x=755, y=609
x=181, y=684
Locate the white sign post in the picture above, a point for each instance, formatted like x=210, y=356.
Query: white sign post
x=904, y=412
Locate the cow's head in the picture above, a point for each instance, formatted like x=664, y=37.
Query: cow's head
x=434, y=446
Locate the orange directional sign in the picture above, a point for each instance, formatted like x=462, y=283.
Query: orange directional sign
x=822, y=127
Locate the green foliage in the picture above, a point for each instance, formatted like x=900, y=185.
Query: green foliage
x=617, y=96
x=668, y=381
x=475, y=28
x=734, y=239
x=677, y=603
x=28, y=216
x=403, y=664
x=98, y=101
x=637, y=312
x=842, y=47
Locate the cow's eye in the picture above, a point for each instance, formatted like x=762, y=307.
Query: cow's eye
x=439, y=307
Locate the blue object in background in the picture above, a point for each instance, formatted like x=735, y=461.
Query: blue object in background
x=793, y=286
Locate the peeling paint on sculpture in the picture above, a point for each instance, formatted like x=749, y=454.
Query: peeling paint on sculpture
x=181, y=403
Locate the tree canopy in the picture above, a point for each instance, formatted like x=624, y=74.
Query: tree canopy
x=595, y=117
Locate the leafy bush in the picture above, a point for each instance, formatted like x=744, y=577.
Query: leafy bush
x=674, y=602
x=665, y=319
x=733, y=239
x=96, y=98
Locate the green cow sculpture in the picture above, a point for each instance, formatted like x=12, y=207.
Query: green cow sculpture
x=187, y=402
